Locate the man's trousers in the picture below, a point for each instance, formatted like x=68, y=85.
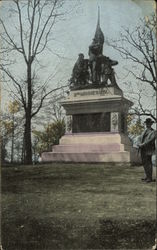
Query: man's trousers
x=147, y=164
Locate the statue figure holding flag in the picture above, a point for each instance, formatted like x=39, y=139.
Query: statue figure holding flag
x=97, y=70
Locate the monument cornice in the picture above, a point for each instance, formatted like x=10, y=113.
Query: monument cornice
x=105, y=104
x=99, y=99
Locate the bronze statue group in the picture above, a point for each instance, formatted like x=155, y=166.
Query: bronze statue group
x=96, y=70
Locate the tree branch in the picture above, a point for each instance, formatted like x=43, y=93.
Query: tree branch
x=43, y=98
x=10, y=42
x=17, y=84
x=21, y=30
x=44, y=27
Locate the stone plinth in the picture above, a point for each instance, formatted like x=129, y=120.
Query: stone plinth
x=96, y=128
x=96, y=110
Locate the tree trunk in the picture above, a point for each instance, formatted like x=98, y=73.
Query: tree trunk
x=23, y=153
x=12, y=143
x=28, y=141
x=27, y=133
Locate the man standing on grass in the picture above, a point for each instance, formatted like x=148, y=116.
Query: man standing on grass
x=147, y=149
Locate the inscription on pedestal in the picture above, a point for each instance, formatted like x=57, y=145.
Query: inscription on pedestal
x=98, y=122
x=92, y=92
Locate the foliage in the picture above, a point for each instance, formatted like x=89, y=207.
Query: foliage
x=6, y=131
x=7, y=127
x=11, y=131
x=135, y=126
x=13, y=107
x=50, y=136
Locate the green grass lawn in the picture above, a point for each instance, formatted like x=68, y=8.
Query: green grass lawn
x=77, y=206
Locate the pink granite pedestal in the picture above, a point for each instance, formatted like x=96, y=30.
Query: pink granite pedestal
x=92, y=147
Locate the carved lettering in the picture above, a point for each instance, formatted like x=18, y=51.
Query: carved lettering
x=94, y=92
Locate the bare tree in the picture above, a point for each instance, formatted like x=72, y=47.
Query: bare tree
x=35, y=22
x=139, y=47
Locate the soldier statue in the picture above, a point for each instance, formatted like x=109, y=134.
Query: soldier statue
x=94, y=53
x=107, y=72
x=80, y=72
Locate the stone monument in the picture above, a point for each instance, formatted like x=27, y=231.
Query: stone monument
x=96, y=112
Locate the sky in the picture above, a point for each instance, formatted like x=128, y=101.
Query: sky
x=74, y=35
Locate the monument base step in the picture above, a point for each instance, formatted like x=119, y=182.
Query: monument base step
x=90, y=148
x=95, y=138
x=86, y=157
x=93, y=147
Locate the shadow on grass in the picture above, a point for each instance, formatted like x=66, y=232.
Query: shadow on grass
x=54, y=234
x=24, y=234
x=123, y=235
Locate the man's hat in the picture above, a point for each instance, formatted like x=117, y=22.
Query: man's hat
x=149, y=121
x=81, y=54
